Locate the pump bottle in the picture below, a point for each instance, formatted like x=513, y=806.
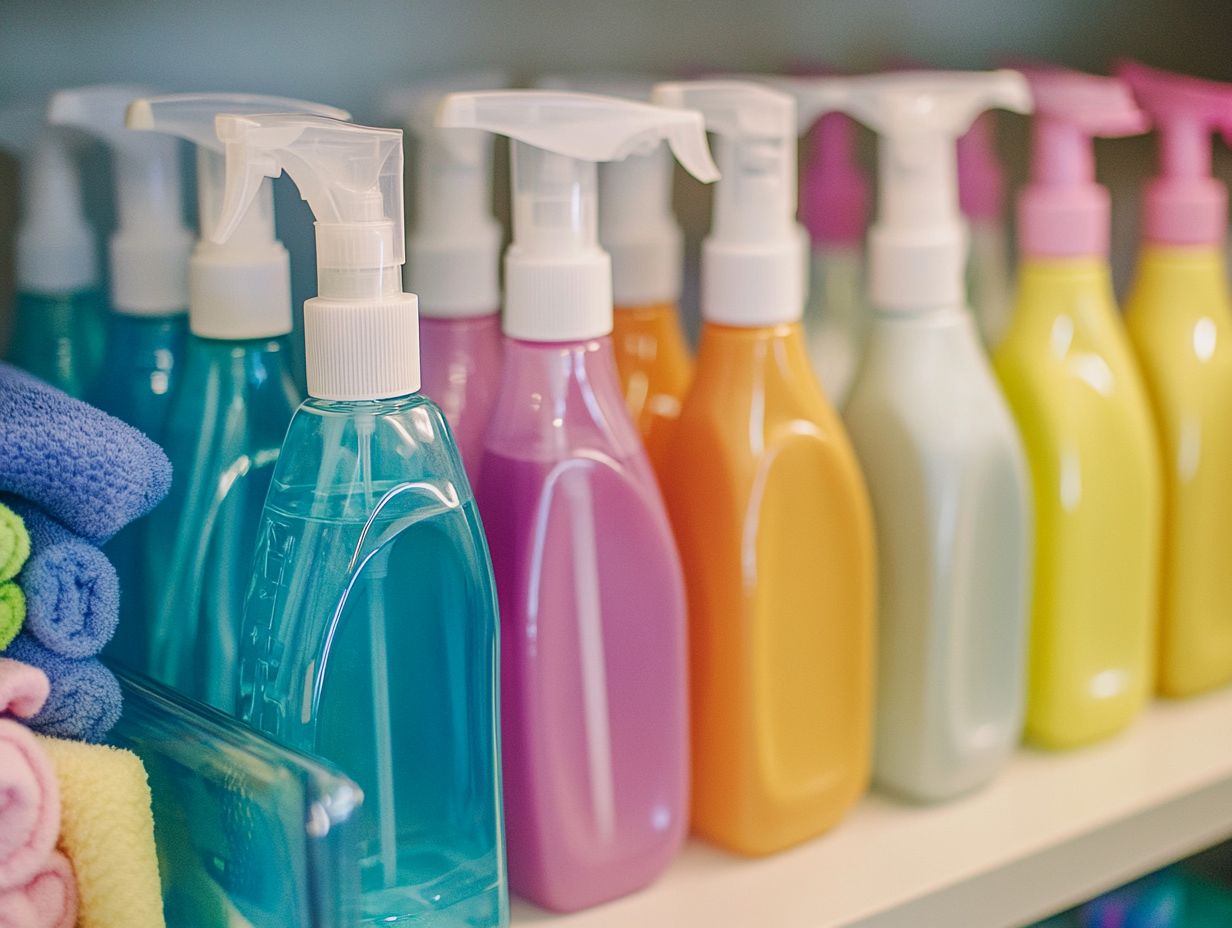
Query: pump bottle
x=147, y=325
x=369, y=635
x=981, y=195
x=770, y=512
x=592, y=597
x=1180, y=325
x=228, y=419
x=834, y=208
x=1069, y=374
x=939, y=449
x=453, y=259
x=58, y=311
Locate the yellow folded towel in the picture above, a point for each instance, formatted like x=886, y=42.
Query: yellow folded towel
x=107, y=831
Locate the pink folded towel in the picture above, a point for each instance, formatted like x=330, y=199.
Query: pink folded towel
x=30, y=812
x=23, y=689
x=49, y=900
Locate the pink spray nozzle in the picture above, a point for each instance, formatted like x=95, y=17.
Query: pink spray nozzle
x=1183, y=204
x=1063, y=212
x=834, y=188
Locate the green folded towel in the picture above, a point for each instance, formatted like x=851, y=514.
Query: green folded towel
x=14, y=543
x=12, y=612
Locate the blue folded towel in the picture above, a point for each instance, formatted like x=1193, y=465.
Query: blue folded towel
x=72, y=591
x=90, y=471
x=85, y=698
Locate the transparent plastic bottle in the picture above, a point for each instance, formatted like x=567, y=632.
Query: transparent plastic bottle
x=59, y=338
x=223, y=439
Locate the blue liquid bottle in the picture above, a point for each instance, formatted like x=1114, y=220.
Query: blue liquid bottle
x=370, y=631
x=148, y=325
x=58, y=311
x=228, y=418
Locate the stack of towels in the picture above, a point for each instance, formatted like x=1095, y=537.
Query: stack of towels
x=76, y=831
x=74, y=476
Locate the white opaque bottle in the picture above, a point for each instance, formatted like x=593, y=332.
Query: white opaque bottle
x=939, y=449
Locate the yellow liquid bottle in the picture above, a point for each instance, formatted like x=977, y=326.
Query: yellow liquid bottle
x=775, y=534
x=654, y=366
x=1179, y=321
x=1068, y=373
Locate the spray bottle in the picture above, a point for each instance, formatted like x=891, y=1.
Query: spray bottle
x=939, y=449
x=592, y=597
x=453, y=259
x=981, y=195
x=147, y=325
x=638, y=229
x=770, y=511
x=58, y=313
x=1180, y=324
x=1069, y=374
x=370, y=630
x=228, y=419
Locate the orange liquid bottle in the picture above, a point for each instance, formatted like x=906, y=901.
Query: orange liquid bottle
x=771, y=516
x=655, y=368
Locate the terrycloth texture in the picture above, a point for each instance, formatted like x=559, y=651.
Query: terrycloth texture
x=12, y=612
x=88, y=470
x=30, y=811
x=23, y=689
x=72, y=591
x=49, y=900
x=14, y=543
x=85, y=699
x=107, y=831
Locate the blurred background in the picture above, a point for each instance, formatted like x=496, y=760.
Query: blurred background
x=347, y=53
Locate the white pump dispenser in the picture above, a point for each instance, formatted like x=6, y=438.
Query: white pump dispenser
x=636, y=224
x=361, y=332
x=754, y=259
x=150, y=247
x=453, y=247
x=918, y=244
x=240, y=289
x=558, y=282
x=55, y=244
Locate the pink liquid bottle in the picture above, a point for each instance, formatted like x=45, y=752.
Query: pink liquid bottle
x=593, y=646
x=453, y=257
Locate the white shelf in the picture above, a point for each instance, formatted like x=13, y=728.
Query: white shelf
x=1054, y=830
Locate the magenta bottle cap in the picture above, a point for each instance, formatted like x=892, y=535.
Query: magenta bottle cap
x=1063, y=212
x=981, y=180
x=1182, y=204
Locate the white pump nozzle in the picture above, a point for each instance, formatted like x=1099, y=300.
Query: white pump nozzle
x=557, y=279
x=636, y=224
x=55, y=244
x=149, y=249
x=453, y=249
x=754, y=259
x=361, y=333
x=918, y=244
x=240, y=289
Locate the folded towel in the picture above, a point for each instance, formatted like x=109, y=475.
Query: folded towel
x=14, y=543
x=30, y=812
x=23, y=689
x=72, y=592
x=12, y=612
x=92, y=472
x=49, y=900
x=84, y=702
x=107, y=831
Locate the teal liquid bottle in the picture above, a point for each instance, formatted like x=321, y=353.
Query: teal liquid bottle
x=223, y=437
x=147, y=324
x=228, y=417
x=369, y=635
x=59, y=338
